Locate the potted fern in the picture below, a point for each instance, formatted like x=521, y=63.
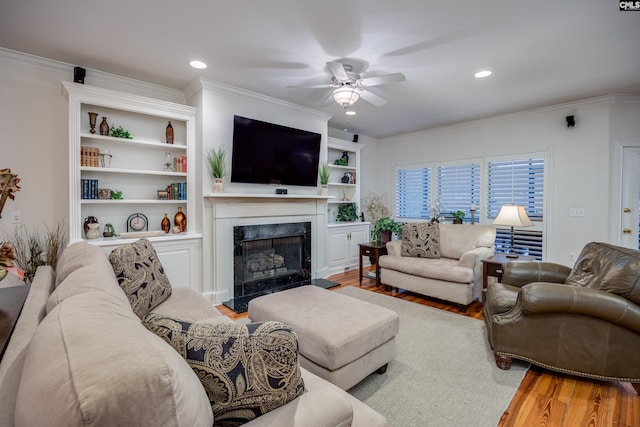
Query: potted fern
x=457, y=217
x=384, y=227
x=216, y=160
x=324, y=173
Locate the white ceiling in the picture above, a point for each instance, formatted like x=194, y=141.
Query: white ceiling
x=541, y=52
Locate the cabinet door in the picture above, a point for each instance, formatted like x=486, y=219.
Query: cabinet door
x=338, y=245
x=358, y=235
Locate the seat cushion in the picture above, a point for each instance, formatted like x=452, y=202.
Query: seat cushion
x=140, y=275
x=247, y=370
x=445, y=269
x=333, y=329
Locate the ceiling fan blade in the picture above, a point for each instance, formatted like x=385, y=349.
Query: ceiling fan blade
x=380, y=80
x=337, y=69
x=371, y=97
x=324, y=86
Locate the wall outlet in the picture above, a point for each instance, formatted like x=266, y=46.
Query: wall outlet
x=16, y=217
x=576, y=211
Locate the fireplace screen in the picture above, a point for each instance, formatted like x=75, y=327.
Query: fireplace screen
x=271, y=257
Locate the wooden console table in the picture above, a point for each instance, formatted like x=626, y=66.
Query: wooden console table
x=492, y=267
x=373, y=250
x=11, y=302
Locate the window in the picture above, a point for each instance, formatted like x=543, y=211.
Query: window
x=458, y=186
x=413, y=193
x=521, y=182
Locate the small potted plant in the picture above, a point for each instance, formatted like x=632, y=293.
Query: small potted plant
x=457, y=217
x=384, y=227
x=347, y=212
x=324, y=173
x=216, y=160
x=109, y=231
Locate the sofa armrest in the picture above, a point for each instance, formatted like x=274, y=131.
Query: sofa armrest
x=394, y=248
x=520, y=273
x=473, y=257
x=547, y=298
x=318, y=408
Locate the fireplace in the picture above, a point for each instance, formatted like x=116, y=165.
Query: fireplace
x=269, y=258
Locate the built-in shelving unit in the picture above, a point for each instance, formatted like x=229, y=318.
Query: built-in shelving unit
x=138, y=169
x=344, y=237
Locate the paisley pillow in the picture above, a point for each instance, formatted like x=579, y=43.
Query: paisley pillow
x=140, y=275
x=246, y=370
x=421, y=240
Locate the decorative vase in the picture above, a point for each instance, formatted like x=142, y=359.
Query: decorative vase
x=89, y=220
x=325, y=190
x=104, y=127
x=180, y=220
x=346, y=178
x=165, y=224
x=345, y=157
x=92, y=122
x=169, y=133
x=218, y=187
x=93, y=230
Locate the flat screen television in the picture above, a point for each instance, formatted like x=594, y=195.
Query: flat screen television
x=267, y=153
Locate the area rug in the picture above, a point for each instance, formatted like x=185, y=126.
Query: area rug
x=444, y=373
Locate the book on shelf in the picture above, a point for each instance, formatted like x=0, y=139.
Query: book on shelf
x=89, y=188
x=89, y=156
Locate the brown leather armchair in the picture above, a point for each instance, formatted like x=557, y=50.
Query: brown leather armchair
x=583, y=321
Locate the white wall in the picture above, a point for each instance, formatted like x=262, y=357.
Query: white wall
x=579, y=166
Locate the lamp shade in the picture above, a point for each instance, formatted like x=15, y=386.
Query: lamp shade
x=345, y=96
x=513, y=216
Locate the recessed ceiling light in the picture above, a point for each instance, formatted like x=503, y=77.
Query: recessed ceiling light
x=350, y=113
x=481, y=74
x=198, y=64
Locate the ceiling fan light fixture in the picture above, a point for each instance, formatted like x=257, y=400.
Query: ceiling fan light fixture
x=350, y=112
x=198, y=64
x=345, y=96
x=482, y=74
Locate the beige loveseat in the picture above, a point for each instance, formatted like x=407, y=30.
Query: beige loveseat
x=455, y=276
x=80, y=356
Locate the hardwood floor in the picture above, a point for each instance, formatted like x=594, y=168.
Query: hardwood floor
x=544, y=399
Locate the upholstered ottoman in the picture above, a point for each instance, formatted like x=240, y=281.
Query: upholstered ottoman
x=340, y=339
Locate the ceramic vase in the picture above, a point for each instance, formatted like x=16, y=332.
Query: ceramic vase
x=218, y=187
x=324, y=191
x=165, y=224
x=104, y=127
x=180, y=220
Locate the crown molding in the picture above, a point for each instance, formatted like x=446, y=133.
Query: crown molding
x=95, y=77
x=202, y=83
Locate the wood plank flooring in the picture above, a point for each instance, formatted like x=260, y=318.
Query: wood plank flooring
x=544, y=399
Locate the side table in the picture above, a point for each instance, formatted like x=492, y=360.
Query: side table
x=373, y=250
x=492, y=267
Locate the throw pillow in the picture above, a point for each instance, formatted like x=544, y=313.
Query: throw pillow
x=247, y=370
x=421, y=240
x=140, y=275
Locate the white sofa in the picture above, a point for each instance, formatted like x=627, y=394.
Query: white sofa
x=80, y=356
x=456, y=276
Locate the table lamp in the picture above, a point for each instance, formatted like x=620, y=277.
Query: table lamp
x=513, y=216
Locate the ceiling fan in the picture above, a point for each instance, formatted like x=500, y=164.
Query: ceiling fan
x=348, y=86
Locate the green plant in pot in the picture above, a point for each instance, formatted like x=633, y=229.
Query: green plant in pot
x=347, y=212
x=457, y=217
x=216, y=161
x=324, y=174
x=384, y=227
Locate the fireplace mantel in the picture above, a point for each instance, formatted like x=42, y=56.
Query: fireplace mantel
x=267, y=196
x=223, y=211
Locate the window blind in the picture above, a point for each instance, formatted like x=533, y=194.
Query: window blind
x=519, y=182
x=458, y=186
x=413, y=193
